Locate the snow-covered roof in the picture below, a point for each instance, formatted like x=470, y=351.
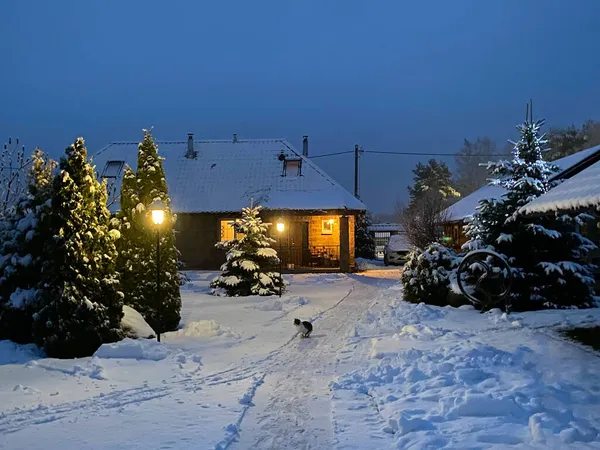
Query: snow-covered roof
x=466, y=207
x=387, y=226
x=227, y=174
x=580, y=191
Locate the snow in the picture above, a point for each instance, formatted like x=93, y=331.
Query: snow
x=464, y=209
x=398, y=243
x=580, y=191
x=133, y=349
x=232, y=173
x=134, y=324
x=377, y=373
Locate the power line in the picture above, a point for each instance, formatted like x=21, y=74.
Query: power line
x=430, y=154
x=331, y=154
x=410, y=154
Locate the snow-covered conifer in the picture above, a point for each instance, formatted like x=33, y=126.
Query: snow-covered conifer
x=137, y=246
x=21, y=249
x=546, y=253
x=251, y=260
x=80, y=303
x=364, y=240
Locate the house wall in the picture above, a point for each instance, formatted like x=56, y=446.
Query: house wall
x=455, y=231
x=197, y=234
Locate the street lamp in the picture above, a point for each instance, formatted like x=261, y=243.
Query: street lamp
x=158, y=216
x=280, y=228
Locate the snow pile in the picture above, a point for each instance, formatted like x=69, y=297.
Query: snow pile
x=133, y=349
x=134, y=325
x=204, y=329
x=11, y=353
x=473, y=395
x=363, y=264
x=270, y=305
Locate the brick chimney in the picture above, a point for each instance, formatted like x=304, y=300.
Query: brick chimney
x=305, y=146
x=191, y=153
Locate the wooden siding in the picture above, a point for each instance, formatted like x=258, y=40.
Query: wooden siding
x=197, y=234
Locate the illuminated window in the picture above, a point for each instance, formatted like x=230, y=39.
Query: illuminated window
x=228, y=232
x=112, y=169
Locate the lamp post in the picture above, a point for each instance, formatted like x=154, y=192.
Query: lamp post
x=280, y=229
x=158, y=216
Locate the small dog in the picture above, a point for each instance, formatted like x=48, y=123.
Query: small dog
x=304, y=327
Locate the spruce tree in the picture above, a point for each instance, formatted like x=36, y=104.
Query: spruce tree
x=364, y=241
x=137, y=246
x=251, y=260
x=21, y=248
x=80, y=303
x=546, y=253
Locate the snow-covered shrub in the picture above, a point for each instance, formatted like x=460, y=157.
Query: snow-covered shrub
x=249, y=267
x=137, y=247
x=80, y=305
x=426, y=275
x=364, y=241
x=21, y=251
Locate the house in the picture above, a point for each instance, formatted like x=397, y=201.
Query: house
x=461, y=212
x=382, y=232
x=210, y=181
x=580, y=193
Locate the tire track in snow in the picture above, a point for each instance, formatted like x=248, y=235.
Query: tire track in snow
x=294, y=405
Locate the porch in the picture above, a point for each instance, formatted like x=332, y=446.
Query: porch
x=314, y=243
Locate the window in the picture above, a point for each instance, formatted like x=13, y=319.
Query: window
x=228, y=232
x=112, y=169
x=292, y=167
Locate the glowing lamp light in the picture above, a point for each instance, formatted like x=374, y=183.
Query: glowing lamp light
x=280, y=226
x=158, y=212
x=330, y=221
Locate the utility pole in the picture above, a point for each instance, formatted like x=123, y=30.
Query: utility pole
x=357, y=152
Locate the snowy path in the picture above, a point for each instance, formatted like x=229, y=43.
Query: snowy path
x=292, y=408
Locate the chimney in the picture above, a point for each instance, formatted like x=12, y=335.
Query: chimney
x=305, y=146
x=235, y=138
x=191, y=154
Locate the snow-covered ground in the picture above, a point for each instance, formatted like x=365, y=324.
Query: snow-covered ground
x=376, y=373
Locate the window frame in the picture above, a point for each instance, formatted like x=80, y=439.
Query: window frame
x=121, y=164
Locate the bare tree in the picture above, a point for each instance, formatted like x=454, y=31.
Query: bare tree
x=423, y=221
x=470, y=162
x=13, y=167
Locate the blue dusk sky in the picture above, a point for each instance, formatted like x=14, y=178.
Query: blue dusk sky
x=388, y=75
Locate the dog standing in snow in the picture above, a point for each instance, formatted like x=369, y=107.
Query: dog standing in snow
x=304, y=327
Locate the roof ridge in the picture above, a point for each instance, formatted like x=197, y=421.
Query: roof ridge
x=201, y=141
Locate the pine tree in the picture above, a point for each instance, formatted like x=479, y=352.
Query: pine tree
x=137, y=246
x=364, y=240
x=248, y=269
x=80, y=303
x=21, y=248
x=545, y=253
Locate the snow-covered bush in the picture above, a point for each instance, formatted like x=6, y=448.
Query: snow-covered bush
x=426, y=275
x=137, y=246
x=21, y=251
x=79, y=303
x=249, y=267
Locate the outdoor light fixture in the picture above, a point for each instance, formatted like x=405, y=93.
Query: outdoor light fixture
x=158, y=212
x=280, y=228
x=158, y=216
x=331, y=221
